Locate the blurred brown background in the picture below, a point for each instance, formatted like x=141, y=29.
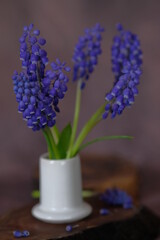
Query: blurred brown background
x=61, y=22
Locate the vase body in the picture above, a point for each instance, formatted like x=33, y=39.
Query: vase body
x=60, y=191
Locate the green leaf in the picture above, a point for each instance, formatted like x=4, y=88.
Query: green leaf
x=36, y=194
x=88, y=193
x=103, y=139
x=85, y=194
x=64, y=140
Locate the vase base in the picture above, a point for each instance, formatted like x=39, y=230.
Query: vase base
x=64, y=216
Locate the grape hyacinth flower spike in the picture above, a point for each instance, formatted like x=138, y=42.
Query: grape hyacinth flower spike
x=38, y=90
x=86, y=53
x=126, y=66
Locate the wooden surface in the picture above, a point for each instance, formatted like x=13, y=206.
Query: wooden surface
x=137, y=223
x=99, y=173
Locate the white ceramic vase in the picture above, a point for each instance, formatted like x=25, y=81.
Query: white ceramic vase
x=60, y=191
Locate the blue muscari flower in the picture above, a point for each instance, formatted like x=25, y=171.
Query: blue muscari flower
x=17, y=234
x=86, y=53
x=126, y=66
x=69, y=228
x=104, y=211
x=117, y=197
x=38, y=90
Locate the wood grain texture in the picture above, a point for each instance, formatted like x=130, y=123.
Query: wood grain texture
x=99, y=173
x=102, y=172
x=137, y=223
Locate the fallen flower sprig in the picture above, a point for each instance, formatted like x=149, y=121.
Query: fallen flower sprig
x=117, y=197
x=39, y=89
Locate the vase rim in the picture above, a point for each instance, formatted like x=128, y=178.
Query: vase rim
x=44, y=157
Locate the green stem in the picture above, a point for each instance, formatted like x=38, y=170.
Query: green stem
x=50, y=150
x=76, y=118
x=52, y=143
x=93, y=121
x=55, y=133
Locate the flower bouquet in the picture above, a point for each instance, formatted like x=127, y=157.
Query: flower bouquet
x=39, y=89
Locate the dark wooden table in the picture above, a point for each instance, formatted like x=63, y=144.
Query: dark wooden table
x=99, y=173
x=137, y=223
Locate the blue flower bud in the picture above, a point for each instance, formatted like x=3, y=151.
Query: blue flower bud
x=30, y=26
x=22, y=105
x=131, y=100
x=33, y=40
x=28, y=113
x=42, y=53
x=42, y=41
x=55, y=101
x=36, y=32
x=34, y=120
x=107, y=107
x=30, y=123
x=109, y=97
x=23, y=56
x=25, y=28
x=31, y=108
x=83, y=84
x=25, y=64
x=57, y=84
x=60, y=95
x=46, y=82
x=67, y=69
x=115, y=107
x=104, y=211
x=52, y=92
x=61, y=76
x=126, y=93
x=38, y=114
x=23, y=47
x=63, y=88
x=45, y=60
x=34, y=59
x=25, y=233
x=43, y=120
x=22, y=39
x=17, y=234
x=53, y=115
x=105, y=115
x=41, y=106
x=27, y=91
x=33, y=68
x=120, y=109
x=35, y=49
x=68, y=228
x=51, y=123
x=18, y=97
x=113, y=114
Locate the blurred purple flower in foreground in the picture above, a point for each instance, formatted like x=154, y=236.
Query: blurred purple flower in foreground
x=117, y=197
